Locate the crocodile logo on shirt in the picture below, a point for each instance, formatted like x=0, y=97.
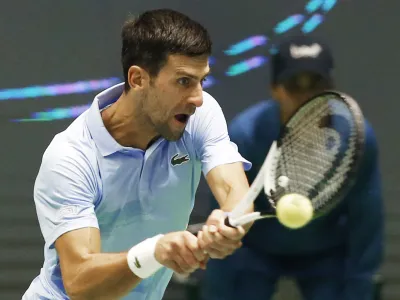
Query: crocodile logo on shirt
x=178, y=160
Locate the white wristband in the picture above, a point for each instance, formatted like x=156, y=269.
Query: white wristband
x=141, y=259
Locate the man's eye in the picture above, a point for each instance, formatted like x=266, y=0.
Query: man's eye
x=184, y=81
x=203, y=80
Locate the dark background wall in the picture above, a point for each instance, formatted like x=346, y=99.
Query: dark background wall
x=45, y=42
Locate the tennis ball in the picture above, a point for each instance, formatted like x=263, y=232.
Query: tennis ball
x=294, y=211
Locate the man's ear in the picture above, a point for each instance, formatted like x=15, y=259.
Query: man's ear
x=138, y=78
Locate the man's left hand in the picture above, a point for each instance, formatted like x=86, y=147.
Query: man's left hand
x=218, y=240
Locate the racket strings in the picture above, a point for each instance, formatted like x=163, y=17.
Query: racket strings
x=309, y=161
x=309, y=180
x=299, y=142
x=331, y=184
x=303, y=132
x=334, y=183
x=306, y=156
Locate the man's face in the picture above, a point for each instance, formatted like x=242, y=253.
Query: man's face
x=172, y=96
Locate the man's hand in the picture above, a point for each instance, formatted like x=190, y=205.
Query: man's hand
x=180, y=252
x=217, y=239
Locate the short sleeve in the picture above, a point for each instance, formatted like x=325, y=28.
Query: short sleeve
x=211, y=140
x=64, y=193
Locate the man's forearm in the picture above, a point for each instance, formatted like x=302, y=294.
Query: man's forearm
x=102, y=276
x=229, y=185
x=234, y=196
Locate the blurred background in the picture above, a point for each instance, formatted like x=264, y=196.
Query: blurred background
x=56, y=55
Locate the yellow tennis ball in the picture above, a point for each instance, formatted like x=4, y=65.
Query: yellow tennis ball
x=294, y=211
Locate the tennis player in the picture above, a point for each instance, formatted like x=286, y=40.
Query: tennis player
x=336, y=256
x=115, y=189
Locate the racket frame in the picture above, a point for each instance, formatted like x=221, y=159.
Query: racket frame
x=237, y=216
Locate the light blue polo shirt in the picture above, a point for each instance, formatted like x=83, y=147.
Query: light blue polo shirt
x=86, y=179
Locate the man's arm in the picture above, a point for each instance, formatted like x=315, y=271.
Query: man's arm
x=222, y=163
x=223, y=167
x=366, y=227
x=229, y=184
x=89, y=274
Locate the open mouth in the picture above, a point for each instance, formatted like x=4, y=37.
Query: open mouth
x=182, y=118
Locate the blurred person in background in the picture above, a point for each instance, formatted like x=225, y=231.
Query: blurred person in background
x=336, y=256
x=115, y=189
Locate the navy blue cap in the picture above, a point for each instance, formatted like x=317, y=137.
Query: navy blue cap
x=298, y=54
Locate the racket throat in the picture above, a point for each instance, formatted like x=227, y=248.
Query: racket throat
x=245, y=219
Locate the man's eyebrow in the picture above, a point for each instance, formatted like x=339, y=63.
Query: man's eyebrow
x=184, y=73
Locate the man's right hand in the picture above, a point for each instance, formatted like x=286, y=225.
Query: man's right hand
x=180, y=252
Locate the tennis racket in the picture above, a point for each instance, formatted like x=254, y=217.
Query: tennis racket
x=317, y=155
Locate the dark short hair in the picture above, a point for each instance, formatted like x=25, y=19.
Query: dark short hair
x=307, y=84
x=148, y=40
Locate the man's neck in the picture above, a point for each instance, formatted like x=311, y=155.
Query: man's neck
x=127, y=125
